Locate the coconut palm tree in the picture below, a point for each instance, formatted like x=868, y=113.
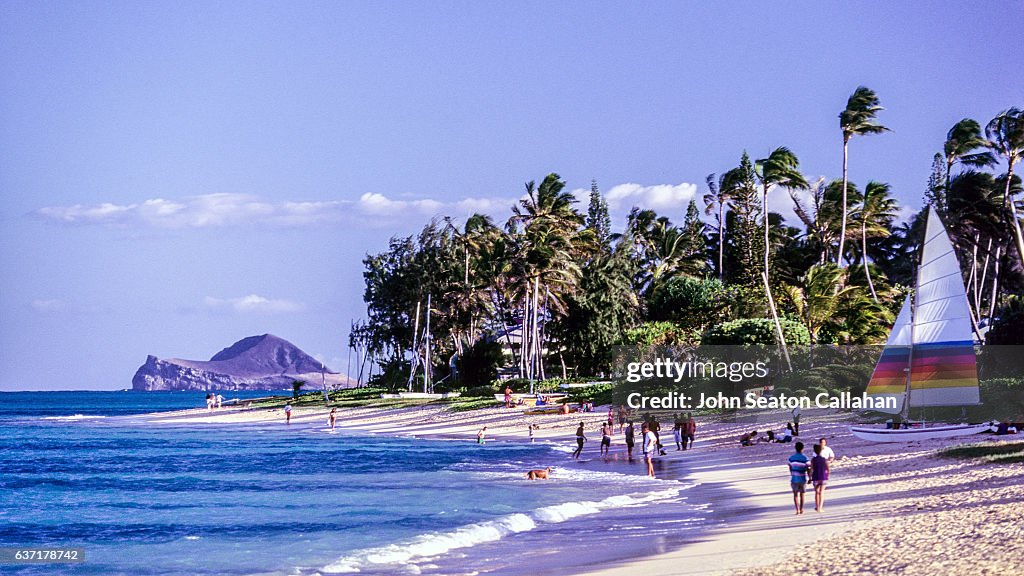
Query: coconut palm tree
x=716, y=202
x=858, y=118
x=781, y=168
x=1006, y=134
x=962, y=142
x=819, y=298
x=876, y=214
x=976, y=198
x=549, y=235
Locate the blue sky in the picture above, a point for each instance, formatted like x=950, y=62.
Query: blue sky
x=177, y=176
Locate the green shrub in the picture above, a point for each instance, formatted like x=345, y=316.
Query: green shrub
x=691, y=303
x=659, y=334
x=598, y=394
x=755, y=331
x=480, y=391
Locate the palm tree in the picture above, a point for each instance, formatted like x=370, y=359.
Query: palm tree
x=715, y=202
x=1006, y=134
x=962, y=141
x=856, y=119
x=819, y=299
x=877, y=211
x=976, y=200
x=666, y=255
x=549, y=234
x=477, y=232
x=781, y=168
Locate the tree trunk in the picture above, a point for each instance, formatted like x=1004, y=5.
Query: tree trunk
x=995, y=286
x=721, y=239
x=1008, y=199
x=972, y=278
x=536, y=331
x=764, y=207
x=524, y=336
x=984, y=273
x=842, y=228
x=864, y=256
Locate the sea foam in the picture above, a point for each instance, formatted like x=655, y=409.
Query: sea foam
x=72, y=418
x=433, y=544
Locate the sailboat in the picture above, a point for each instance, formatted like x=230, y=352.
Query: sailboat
x=928, y=360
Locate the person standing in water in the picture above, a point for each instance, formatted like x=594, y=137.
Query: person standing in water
x=677, y=432
x=333, y=417
x=580, y=439
x=650, y=446
x=606, y=437
x=288, y=413
x=630, y=440
x=690, y=430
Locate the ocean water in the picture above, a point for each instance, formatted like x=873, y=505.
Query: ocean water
x=84, y=470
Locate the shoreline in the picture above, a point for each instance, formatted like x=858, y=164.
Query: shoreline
x=752, y=528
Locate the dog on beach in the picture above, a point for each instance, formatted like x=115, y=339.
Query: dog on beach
x=538, y=474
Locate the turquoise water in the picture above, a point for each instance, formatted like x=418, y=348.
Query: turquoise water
x=269, y=499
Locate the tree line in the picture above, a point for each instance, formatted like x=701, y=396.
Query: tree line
x=551, y=290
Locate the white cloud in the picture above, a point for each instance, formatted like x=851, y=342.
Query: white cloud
x=252, y=303
x=660, y=197
x=780, y=202
x=226, y=209
x=48, y=305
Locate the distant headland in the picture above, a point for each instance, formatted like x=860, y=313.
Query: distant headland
x=264, y=362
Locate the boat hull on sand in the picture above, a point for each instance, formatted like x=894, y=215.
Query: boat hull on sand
x=874, y=434
x=531, y=399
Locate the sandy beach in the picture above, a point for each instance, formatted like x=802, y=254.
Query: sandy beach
x=889, y=508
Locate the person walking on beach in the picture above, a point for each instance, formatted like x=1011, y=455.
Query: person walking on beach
x=580, y=439
x=220, y=400
x=288, y=413
x=532, y=427
x=333, y=417
x=796, y=421
x=621, y=415
x=209, y=402
x=650, y=446
x=630, y=440
x=826, y=452
x=798, y=465
x=819, y=476
x=481, y=436
x=508, y=396
x=606, y=437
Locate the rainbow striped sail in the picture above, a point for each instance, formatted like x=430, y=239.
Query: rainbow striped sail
x=929, y=357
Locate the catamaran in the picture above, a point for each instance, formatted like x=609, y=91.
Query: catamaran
x=928, y=360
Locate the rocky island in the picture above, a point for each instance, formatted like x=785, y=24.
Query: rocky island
x=264, y=362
